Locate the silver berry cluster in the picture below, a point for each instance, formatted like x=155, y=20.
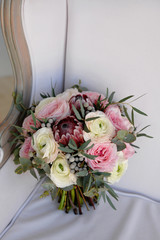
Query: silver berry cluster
x=88, y=108
x=76, y=163
x=49, y=123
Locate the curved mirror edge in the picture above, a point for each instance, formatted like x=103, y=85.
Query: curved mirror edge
x=12, y=27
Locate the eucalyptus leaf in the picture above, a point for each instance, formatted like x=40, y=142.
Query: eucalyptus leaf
x=143, y=135
x=82, y=173
x=91, y=119
x=126, y=98
x=34, y=118
x=139, y=111
x=82, y=109
x=48, y=184
x=91, y=193
x=19, y=170
x=66, y=149
x=33, y=173
x=121, y=134
x=89, y=156
x=86, y=129
x=129, y=138
x=111, y=97
x=126, y=114
x=26, y=163
x=110, y=202
x=69, y=188
x=85, y=144
x=78, y=116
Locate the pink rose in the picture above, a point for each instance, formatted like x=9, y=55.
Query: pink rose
x=119, y=122
x=28, y=123
x=94, y=97
x=26, y=148
x=57, y=108
x=128, y=151
x=107, y=157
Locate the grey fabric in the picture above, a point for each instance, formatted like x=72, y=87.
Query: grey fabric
x=134, y=219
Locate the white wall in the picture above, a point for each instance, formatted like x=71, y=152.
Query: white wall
x=116, y=44
x=45, y=27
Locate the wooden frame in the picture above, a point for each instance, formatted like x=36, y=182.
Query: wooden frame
x=12, y=28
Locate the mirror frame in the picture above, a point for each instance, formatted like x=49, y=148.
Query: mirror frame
x=12, y=28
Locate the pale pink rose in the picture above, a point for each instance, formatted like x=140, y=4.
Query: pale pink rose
x=119, y=122
x=94, y=97
x=107, y=157
x=128, y=151
x=26, y=148
x=28, y=123
x=58, y=108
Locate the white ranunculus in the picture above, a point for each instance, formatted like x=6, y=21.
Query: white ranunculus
x=119, y=170
x=44, y=144
x=100, y=128
x=60, y=173
x=66, y=95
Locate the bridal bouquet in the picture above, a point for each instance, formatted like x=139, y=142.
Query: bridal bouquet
x=80, y=141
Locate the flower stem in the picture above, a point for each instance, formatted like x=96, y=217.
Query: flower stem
x=73, y=206
x=79, y=205
x=83, y=197
x=62, y=200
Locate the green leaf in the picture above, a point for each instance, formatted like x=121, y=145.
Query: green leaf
x=66, y=150
x=89, y=156
x=134, y=145
x=143, y=135
x=26, y=163
x=105, y=174
x=111, y=191
x=91, y=119
x=120, y=145
x=126, y=98
x=34, y=118
x=107, y=93
x=144, y=128
x=48, y=185
x=121, y=134
x=82, y=109
x=111, y=97
x=19, y=129
x=53, y=91
x=33, y=173
x=89, y=183
x=91, y=193
x=19, y=170
x=126, y=114
x=69, y=188
x=46, y=168
x=129, y=138
x=78, y=116
x=89, y=147
x=110, y=202
x=45, y=194
x=132, y=114
x=16, y=160
x=85, y=144
x=72, y=145
x=86, y=129
x=139, y=111
x=82, y=173
x=54, y=192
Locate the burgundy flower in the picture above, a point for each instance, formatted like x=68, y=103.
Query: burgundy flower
x=68, y=128
x=75, y=100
